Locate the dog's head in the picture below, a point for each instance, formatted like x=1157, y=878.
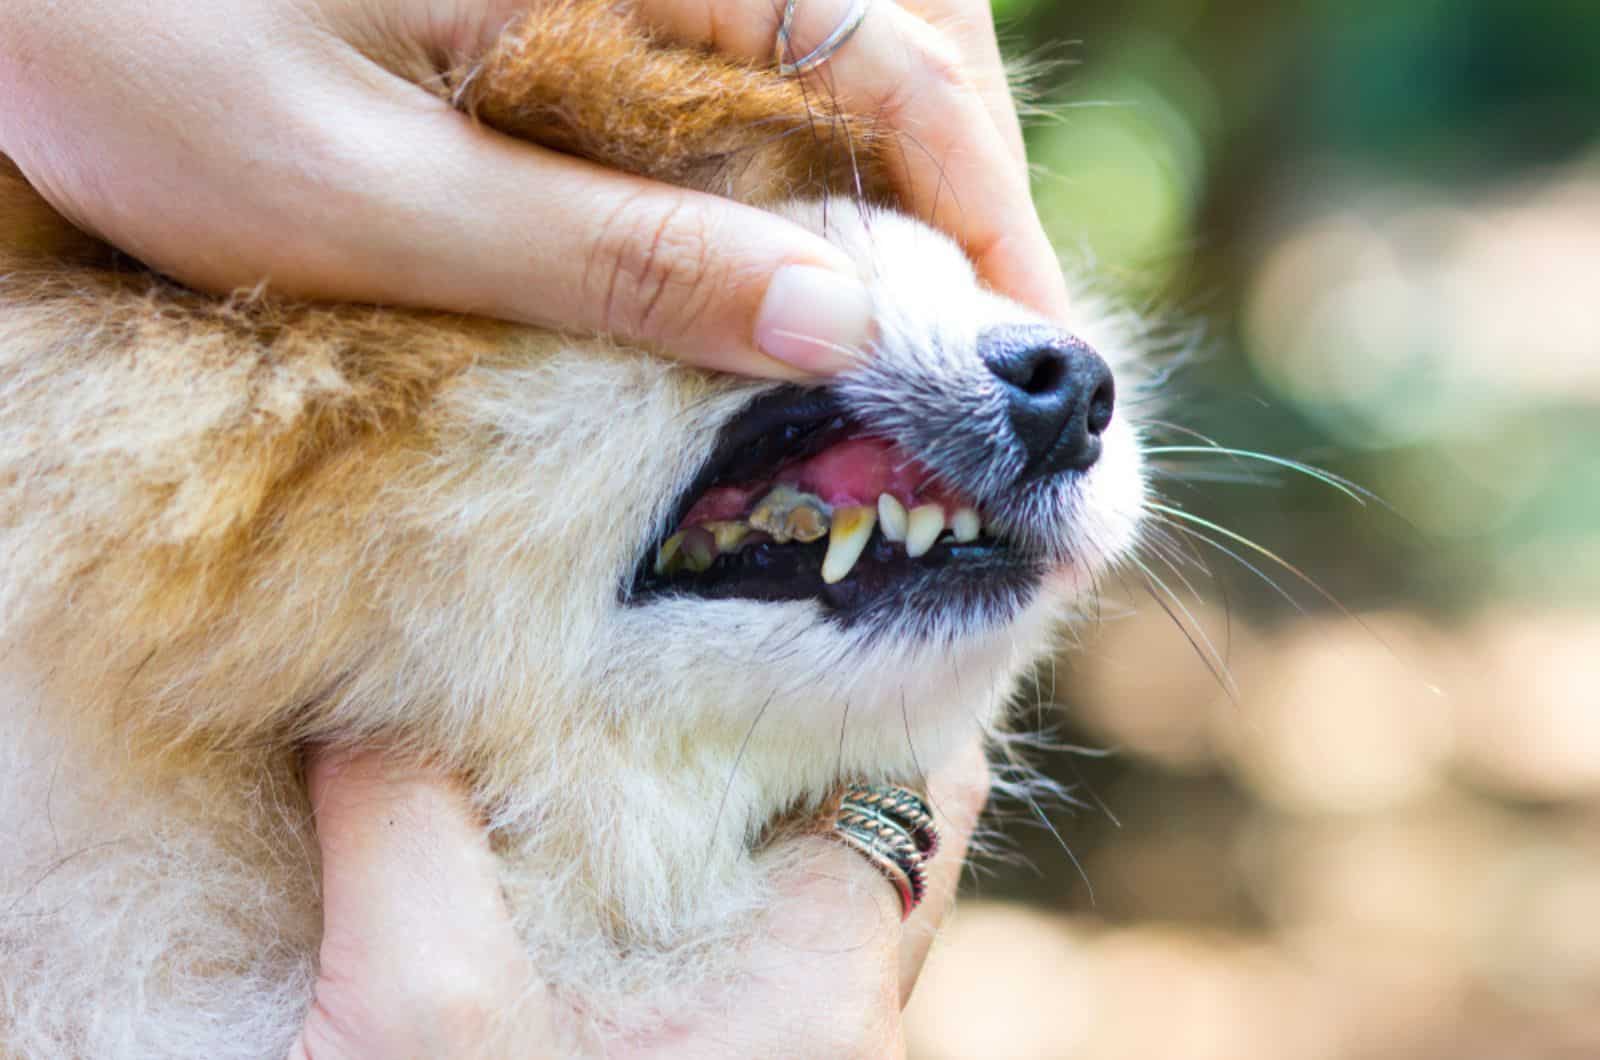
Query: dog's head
x=902, y=537
x=677, y=555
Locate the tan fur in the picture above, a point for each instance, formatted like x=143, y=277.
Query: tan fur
x=230, y=527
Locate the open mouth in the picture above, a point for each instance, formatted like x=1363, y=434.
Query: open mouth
x=799, y=501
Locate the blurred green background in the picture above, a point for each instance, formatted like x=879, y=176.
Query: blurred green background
x=1375, y=231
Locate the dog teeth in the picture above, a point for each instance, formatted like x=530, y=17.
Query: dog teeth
x=669, y=557
x=699, y=549
x=728, y=535
x=852, y=527
x=891, y=518
x=923, y=528
x=789, y=515
x=966, y=525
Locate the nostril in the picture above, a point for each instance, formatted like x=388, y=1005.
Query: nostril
x=1035, y=369
x=1101, y=404
x=1059, y=396
x=1044, y=374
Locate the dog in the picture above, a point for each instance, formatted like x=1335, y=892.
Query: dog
x=632, y=604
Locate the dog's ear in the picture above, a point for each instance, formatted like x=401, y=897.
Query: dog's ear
x=587, y=78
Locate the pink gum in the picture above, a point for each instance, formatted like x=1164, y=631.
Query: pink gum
x=855, y=472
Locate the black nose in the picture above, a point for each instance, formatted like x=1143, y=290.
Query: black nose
x=1059, y=396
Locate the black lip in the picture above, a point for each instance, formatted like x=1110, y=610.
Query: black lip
x=788, y=423
x=885, y=578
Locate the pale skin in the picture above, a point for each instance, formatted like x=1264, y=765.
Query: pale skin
x=295, y=158
x=402, y=846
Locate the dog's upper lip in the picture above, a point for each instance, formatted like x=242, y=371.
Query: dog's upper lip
x=775, y=425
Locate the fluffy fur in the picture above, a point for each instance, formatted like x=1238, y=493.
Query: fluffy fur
x=229, y=528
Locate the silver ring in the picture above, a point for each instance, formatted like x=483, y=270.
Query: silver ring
x=783, y=47
x=892, y=828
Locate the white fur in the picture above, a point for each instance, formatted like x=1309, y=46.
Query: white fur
x=651, y=743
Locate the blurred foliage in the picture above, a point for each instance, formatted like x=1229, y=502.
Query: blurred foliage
x=1355, y=813
x=1189, y=141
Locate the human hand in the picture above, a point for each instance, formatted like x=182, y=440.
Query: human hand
x=226, y=144
x=419, y=958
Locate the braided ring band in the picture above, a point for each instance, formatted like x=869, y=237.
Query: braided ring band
x=892, y=828
x=783, y=48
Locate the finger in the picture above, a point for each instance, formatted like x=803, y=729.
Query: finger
x=836, y=933
x=402, y=846
x=414, y=921
x=464, y=30
x=957, y=794
x=833, y=937
x=900, y=68
x=969, y=25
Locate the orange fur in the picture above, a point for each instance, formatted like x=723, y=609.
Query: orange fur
x=680, y=115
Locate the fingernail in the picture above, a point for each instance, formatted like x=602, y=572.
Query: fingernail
x=815, y=319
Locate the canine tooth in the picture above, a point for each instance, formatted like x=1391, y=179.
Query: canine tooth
x=852, y=527
x=728, y=535
x=965, y=524
x=669, y=556
x=923, y=528
x=699, y=549
x=789, y=515
x=891, y=518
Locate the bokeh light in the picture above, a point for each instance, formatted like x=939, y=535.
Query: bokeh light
x=1351, y=807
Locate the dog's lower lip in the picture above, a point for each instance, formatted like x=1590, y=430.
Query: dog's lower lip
x=774, y=573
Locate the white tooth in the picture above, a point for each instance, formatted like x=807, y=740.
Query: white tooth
x=923, y=528
x=846, y=541
x=965, y=524
x=891, y=518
